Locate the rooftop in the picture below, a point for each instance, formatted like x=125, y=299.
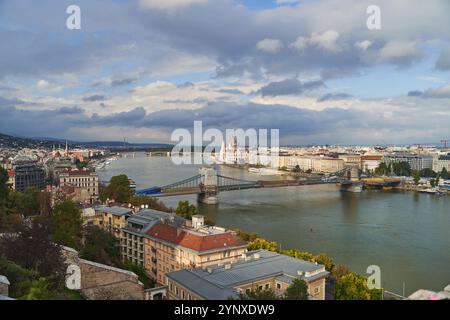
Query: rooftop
x=195, y=240
x=215, y=282
x=118, y=211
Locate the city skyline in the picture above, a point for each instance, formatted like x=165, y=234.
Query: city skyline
x=142, y=69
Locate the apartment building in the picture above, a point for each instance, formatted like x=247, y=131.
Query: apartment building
x=83, y=179
x=416, y=162
x=170, y=247
x=113, y=219
x=327, y=165
x=255, y=270
x=133, y=234
x=441, y=162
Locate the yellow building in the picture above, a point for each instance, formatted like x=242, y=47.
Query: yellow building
x=112, y=219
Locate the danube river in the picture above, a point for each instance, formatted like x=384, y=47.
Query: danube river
x=405, y=233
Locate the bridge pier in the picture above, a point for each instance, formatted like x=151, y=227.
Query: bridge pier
x=210, y=199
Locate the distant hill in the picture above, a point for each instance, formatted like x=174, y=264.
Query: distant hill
x=35, y=142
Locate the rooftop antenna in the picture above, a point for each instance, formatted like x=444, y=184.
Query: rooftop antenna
x=444, y=141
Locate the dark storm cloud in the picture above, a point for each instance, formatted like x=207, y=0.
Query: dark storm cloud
x=289, y=87
x=334, y=96
x=94, y=98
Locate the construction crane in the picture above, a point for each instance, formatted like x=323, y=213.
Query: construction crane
x=444, y=142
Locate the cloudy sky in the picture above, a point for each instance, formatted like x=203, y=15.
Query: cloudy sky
x=141, y=68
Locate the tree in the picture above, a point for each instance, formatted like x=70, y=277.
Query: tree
x=151, y=202
x=29, y=203
x=141, y=273
x=325, y=260
x=445, y=174
x=4, y=188
x=186, y=210
x=299, y=254
x=298, y=290
x=416, y=176
x=296, y=169
x=382, y=169
x=427, y=173
x=260, y=243
x=66, y=224
x=354, y=287
x=118, y=189
x=340, y=270
x=258, y=295
x=100, y=246
x=246, y=236
x=32, y=248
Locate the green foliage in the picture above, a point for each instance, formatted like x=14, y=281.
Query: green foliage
x=445, y=174
x=4, y=188
x=401, y=169
x=186, y=210
x=324, y=260
x=258, y=295
x=298, y=254
x=66, y=224
x=284, y=168
x=118, y=189
x=141, y=273
x=100, y=246
x=28, y=202
x=428, y=173
x=19, y=277
x=298, y=290
x=382, y=169
x=297, y=169
x=353, y=286
x=260, y=243
x=41, y=289
x=416, y=176
x=152, y=203
x=246, y=236
x=340, y=270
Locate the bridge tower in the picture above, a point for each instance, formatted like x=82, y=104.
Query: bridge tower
x=208, y=186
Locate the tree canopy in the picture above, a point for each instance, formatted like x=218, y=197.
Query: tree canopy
x=186, y=210
x=298, y=290
x=118, y=189
x=66, y=224
x=353, y=286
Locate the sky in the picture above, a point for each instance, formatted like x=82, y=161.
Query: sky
x=140, y=69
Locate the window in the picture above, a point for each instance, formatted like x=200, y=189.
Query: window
x=278, y=285
x=260, y=287
x=267, y=286
x=316, y=290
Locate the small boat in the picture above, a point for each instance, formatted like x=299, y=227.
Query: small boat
x=429, y=191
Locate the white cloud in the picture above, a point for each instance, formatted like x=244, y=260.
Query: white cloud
x=399, y=50
x=326, y=40
x=47, y=86
x=363, y=45
x=169, y=4
x=300, y=44
x=270, y=45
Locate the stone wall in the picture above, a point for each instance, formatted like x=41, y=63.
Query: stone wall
x=102, y=282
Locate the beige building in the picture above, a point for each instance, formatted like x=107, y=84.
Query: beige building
x=81, y=179
x=170, y=248
x=327, y=165
x=256, y=270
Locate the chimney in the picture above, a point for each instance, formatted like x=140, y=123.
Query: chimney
x=209, y=270
x=4, y=286
x=198, y=221
x=227, y=266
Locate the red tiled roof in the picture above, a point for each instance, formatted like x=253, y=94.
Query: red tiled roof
x=78, y=172
x=371, y=157
x=194, y=241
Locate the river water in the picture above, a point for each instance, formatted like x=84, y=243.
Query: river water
x=405, y=233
